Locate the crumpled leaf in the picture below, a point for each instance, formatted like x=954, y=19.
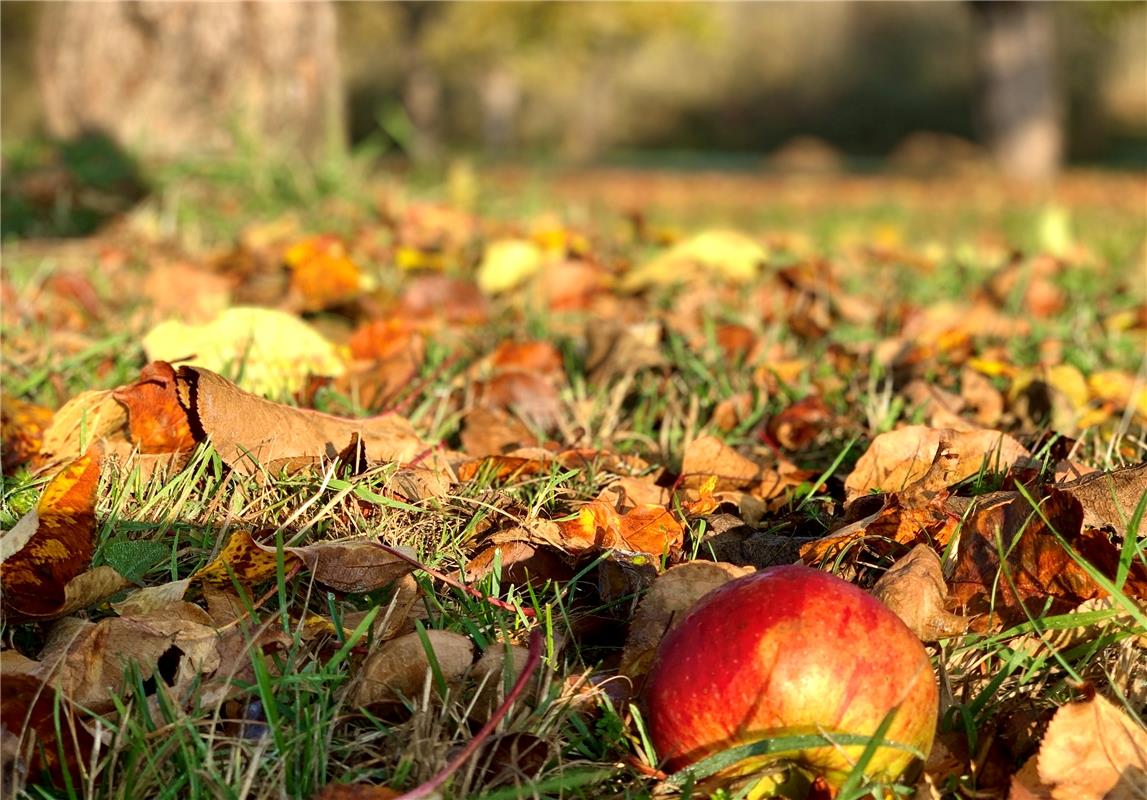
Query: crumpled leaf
x=1109, y=499
x=52, y=544
x=347, y=566
x=399, y=668
x=716, y=253
x=1092, y=750
x=799, y=424
x=914, y=589
x=274, y=351
x=673, y=593
x=899, y=458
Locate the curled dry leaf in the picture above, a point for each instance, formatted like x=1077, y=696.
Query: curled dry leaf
x=39, y=733
x=52, y=544
x=249, y=432
x=897, y=459
x=1092, y=751
x=799, y=424
x=914, y=589
x=666, y=602
x=1109, y=498
x=398, y=669
x=155, y=420
x=352, y=565
x=86, y=418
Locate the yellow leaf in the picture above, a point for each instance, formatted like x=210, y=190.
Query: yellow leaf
x=508, y=263
x=272, y=352
x=725, y=254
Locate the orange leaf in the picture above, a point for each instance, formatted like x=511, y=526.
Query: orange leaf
x=34, y=577
x=322, y=273
x=156, y=421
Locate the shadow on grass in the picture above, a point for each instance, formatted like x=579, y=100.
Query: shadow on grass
x=67, y=188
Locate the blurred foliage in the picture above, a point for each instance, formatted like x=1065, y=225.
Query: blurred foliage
x=587, y=79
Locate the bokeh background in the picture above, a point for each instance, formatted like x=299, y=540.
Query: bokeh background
x=809, y=85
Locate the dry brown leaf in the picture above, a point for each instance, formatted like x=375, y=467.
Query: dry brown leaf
x=914, y=589
x=38, y=733
x=1109, y=498
x=907, y=525
x=1038, y=566
x=897, y=459
x=708, y=456
x=351, y=565
x=89, y=661
x=248, y=431
x=616, y=349
x=986, y=401
x=666, y=602
x=357, y=791
x=399, y=668
x=86, y=418
x=1092, y=751
x=799, y=424
x=643, y=529
x=493, y=673
x=492, y=432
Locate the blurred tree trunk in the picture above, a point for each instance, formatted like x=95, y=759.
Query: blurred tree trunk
x=1021, y=105
x=174, y=79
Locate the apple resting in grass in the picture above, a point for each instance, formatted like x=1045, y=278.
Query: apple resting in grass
x=783, y=652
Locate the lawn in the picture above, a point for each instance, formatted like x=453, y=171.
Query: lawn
x=325, y=482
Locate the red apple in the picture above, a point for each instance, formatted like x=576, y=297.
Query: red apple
x=789, y=651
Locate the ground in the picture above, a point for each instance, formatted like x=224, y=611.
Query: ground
x=550, y=389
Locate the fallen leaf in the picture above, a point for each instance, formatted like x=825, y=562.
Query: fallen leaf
x=1092, y=751
x=156, y=422
x=799, y=424
x=450, y=300
x=1109, y=499
x=57, y=542
x=981, y=395
x=617, y=349
x=897, y=459
x=914, y=589
x=708, y=456
x=398, y=669
x=22, y=426
x=356, y=791
x=274, y=351
x=672, y=595
x=39, y=732
x=347, y=566
x=893, y=522
x=322, y=272
x=643, y=529
x=717, y=253
x=494, y=673
x=86, y=418
x=1038, y=567
x=251, y=433
x=508, y=263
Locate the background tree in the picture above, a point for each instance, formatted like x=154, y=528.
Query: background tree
x=169, y=79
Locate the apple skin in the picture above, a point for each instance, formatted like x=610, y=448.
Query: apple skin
x=785, y=651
